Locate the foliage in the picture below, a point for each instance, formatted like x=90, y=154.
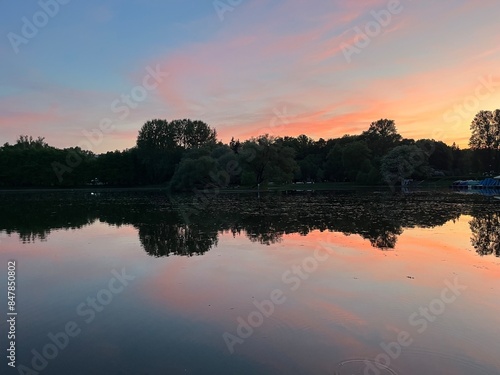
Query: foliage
x=194, y=174
x=356, y=158
x=382, y=136
x=30, y=163
x=404, y=162
x=485, y=129
x=194, y=134
x=118, y=168
x=161, y=145
x=440, y=154
x=485, y=235
x=268, y=160
x=157, y=135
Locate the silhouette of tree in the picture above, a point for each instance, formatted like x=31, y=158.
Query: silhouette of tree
x=386, y=240
x=194, y=134
x=485, y=233
x=235, y=145
x=485, y=130
x=404, y=162
x=356, y=158
x=485, y=139
x=268, y=160
x=381, y=136
x=165, y=239
x=158, y=135
x=194, y=173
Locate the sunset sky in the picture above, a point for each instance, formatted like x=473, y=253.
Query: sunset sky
x=259, y=66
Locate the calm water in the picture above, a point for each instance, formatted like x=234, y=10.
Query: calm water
x=299, y=283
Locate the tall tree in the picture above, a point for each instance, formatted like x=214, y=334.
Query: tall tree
x=157, y=135
x=485, y=131
x=404, y=162
x=158, y=150
x=194, y=134
x=356, y=158
x=383, y=128
x=485, y=138
x=381, y=136
x=186, y=134
x=268, y=160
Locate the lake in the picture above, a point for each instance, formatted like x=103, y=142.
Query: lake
x=347, y=283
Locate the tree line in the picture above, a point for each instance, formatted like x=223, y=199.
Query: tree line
x=186, y=155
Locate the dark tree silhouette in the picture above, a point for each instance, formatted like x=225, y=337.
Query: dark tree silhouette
x=381, y=136
x=158, y=135
x=165, y=239
x=485, y=138
x=485, y=130
x=485, y=230
x=163, y=231
x=235, y=145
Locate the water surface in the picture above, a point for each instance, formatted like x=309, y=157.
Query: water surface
x=348, y=272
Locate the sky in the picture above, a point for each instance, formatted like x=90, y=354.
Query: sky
x=91, y=73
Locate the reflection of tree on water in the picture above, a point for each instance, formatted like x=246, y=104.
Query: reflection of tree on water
x=379, y=219
x=162, y=229
x=34, y=216
x=29, y=236
x=379, y=223
x=32, y=236
x=265, y=238
x=485, y=230
x=386, y=240
x=263, y=229
x=171, y=239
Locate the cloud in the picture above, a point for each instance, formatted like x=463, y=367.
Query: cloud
x=239, y=79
